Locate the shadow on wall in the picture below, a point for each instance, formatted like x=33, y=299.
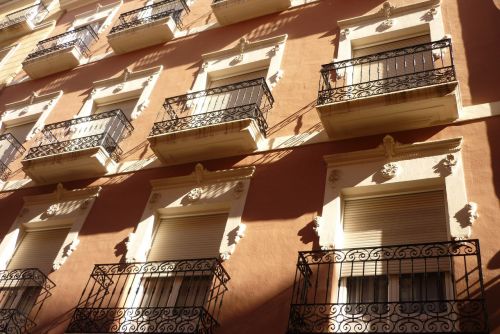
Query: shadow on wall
x=480, y=34
x=492, y=288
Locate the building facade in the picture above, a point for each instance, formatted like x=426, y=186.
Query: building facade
x=249, y=166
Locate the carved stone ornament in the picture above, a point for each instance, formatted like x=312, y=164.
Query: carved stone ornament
x=344, y=33
x=154, y=198
x=390, y=170
x=225, y=255
x=242, y=46
x=333, y=177
x=450, y=163
x=85, y=204
x=52, y=210
x=194, y=194
x=318, y=222
x=472, y=214
x=389, y=145
x=240, y=232
x=327, y=247
x=387, y=11
x=239, y=189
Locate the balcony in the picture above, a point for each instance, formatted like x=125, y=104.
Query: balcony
x=77, y=148
x=10, y=149
x=180, y=296
x=232, y=11
x=147, y=26
x=21, y=22
x=22, y=294
x=60, y=53
x=408, y=88
x=418, y=288
x=217, y=122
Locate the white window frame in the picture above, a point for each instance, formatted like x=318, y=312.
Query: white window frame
x=18, y=113
x=244, y=57
x=59, y=209
x=390, y=23
x=128, y=85
x=393, y=168
x=106, y=13
x=201, y=192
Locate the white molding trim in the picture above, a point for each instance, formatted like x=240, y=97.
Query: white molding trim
x=420, y=167
x=390, y=23
x=127, y=85
x=59, y=209
x=101, y=11
x=244, y=57
x=34, y=107
x=201, y=192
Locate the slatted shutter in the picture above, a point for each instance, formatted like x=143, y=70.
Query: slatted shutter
x=38, y=249
x=394, y=220
x=383, y=68
x=127, y=106
x=238, y=78
x=21, y=131
x=402, y=43
x=188, y=237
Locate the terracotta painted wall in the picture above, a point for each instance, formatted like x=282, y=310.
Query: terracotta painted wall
x=287, y=189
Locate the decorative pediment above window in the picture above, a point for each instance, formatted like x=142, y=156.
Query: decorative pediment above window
x=246, y=56
x=202, y=192
x=33, y=108
x=394, y=168
x=129, y=85
x=104, y=13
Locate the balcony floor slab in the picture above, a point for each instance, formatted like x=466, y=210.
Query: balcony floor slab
x=395, y=111
x=208, y=142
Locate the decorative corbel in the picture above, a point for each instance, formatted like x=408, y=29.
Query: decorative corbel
x=472, y=213
x=387, y=11
x=390, y=170
x=240, y=232
x=450, y=163
x=318, y=223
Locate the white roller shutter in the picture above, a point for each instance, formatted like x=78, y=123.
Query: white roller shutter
x=238, y=78
x=127, y=106
x=395, y=220
x=38, y=249
x=398, y=44
x=188, y=237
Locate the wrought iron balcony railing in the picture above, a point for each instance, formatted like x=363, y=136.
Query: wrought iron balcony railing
x=35, y=14
x=419, y=288
x=385, y=72
x=103, y=129
x=250, y=99
x=79, y=38
x=22, y=294
x=10, y=149
x=152, y=13
x=178, y=296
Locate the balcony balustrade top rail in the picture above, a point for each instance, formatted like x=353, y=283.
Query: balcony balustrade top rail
x=81, y=38
x=247, y=99
x=35, y=13
x=104, y=129
x=385, y=72
x=22, y=294
x=417, y=288
x=178, y=296
x=151, y=13
x=10, y=148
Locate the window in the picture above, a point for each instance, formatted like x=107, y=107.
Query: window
x=36, y=250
